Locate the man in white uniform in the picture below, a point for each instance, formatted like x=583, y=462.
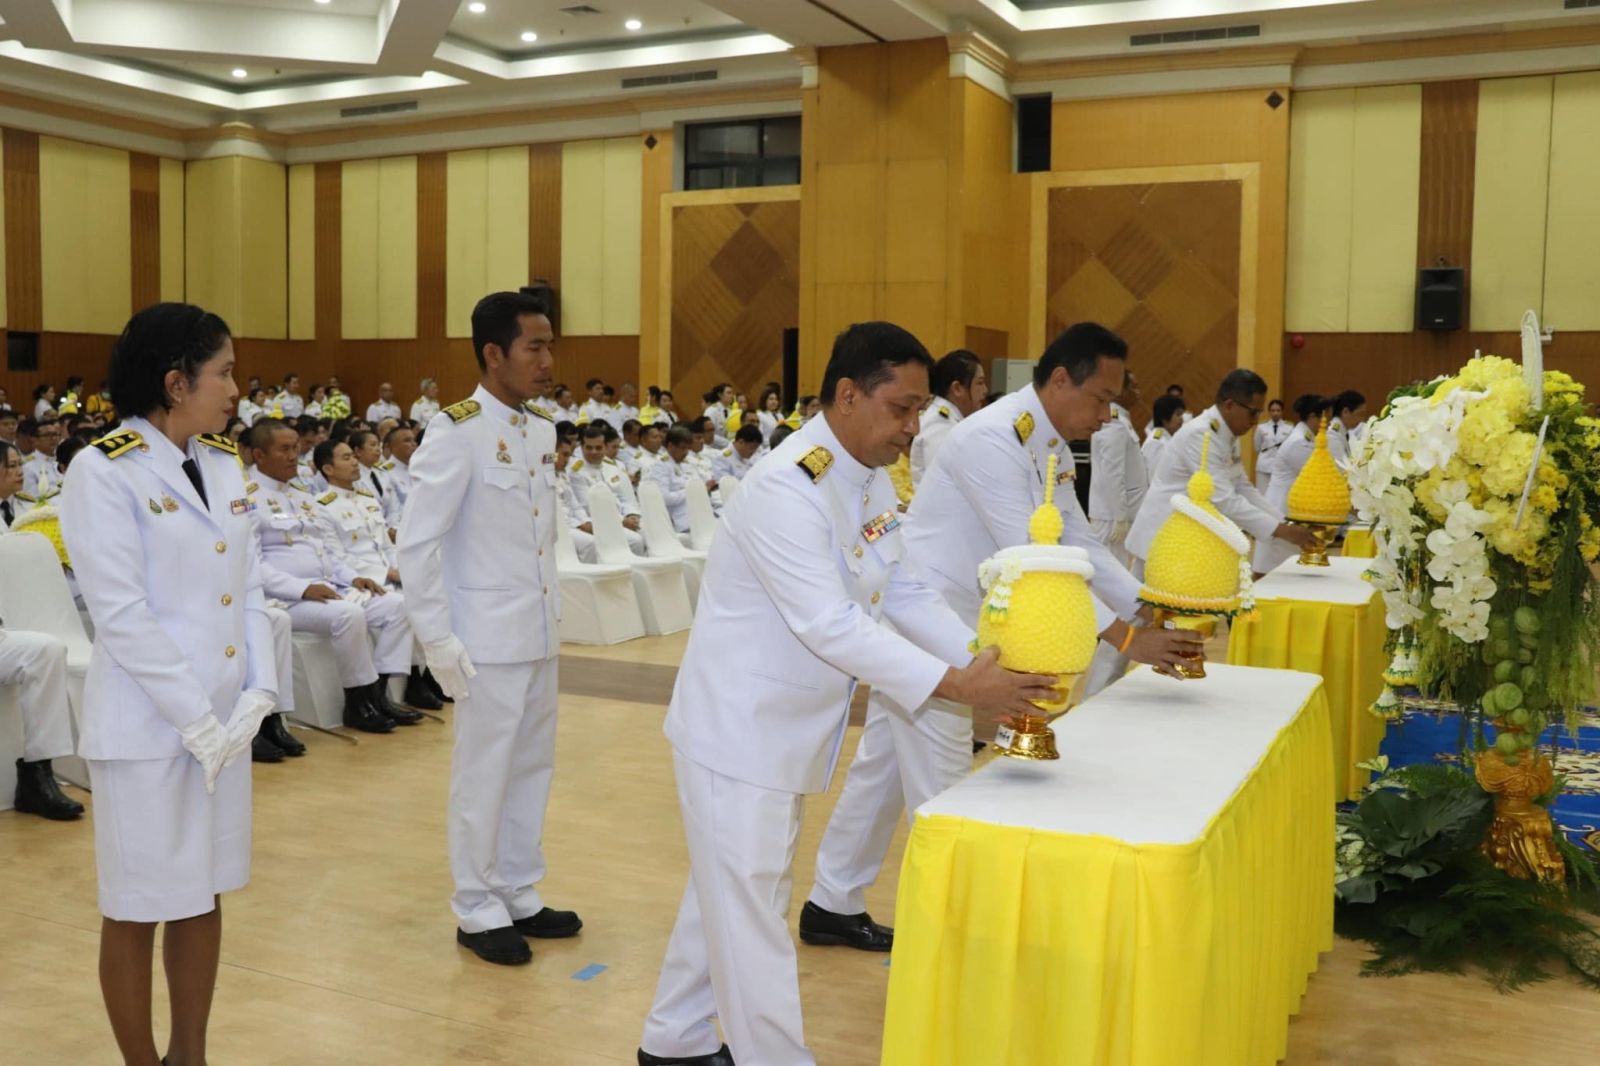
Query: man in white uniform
x=1269, y=436
x=477, y=557
x=1240, y=398
x=1349, y=411
x=1118, y=483
x=424, y=407
x=580, y=527
x=290, y=402
x=37, y=664
x=595, y=408
x=301, y=566
x=807, y=565
x=977, y=499
x=368, y=451
x=401, y=444
x=356, y=518
x=384, y=406
x=627, y=405
x=673, y=472
x=738, y=458
x=959, y=388
x=593, y=469
x=41, y=473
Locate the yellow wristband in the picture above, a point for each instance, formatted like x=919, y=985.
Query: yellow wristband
x=1127, y=642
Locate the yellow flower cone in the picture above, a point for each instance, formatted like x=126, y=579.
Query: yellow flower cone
x=1195, y=558
x=1321, y=494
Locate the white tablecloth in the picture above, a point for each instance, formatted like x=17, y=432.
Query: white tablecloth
x=1150, y=760
x=1338, y=582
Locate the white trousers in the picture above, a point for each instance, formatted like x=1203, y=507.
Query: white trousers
x=505, y=740
x=731, y=956
x=1113, y=535
x=347, y=625
x=904, y=759
x=37, y=664
x=583, y=544
x=283, y=655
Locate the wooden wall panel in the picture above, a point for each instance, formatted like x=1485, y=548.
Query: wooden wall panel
x=430, y=245
x=1157, y=263
x=1445, y=184
x=655, y=182
x=24, y=271
x=144, y=196
x=329, y=264
x=735, y=289
x=544, y=213
x=172, y=229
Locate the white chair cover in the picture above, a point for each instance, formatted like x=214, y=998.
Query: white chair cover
x=658, y=582
x=661, y=541
x=598, y=604
x=702, y=519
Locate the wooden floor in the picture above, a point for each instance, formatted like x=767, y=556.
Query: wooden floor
x=342, y=948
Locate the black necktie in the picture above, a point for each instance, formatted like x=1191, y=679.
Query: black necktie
x=377, y=484
x=191, y=468
x=5, y=509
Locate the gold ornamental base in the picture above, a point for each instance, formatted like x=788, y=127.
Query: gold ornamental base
x=1317, y=554
x=1193, y=667
x=1029, y=737
x=1521, y=839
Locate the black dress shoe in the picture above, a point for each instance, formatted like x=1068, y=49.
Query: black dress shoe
x=38, y=793
x=549, y=924
x=379, y=701
x=858, y=931
x=720, y=1057
x=276, y=730
x=503, y=946
x=419, y=695
x=979, y=745
x=264, y=750
x=434, y=686
x=361, y=715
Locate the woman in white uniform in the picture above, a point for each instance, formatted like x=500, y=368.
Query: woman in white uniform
x=156, y=519
x=718, y=407
x=1288, y=460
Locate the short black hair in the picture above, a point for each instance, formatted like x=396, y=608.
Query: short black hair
x=680, y=434
x=1309, y=404
x=591, y=383
x=358, y=438
x=1241, y=385
x=779, y=435
x=868, y=353
x=1165, y=407
x=404, y=427
x=323, y=455
x=607, y=390
x=748, y=433
x=158, y=339
x=593, y=429
x=1274, y=400
x=6, y=448
x=306, y=424
x=68, y=448
x=1078, y=349
x=954, y=368
x=715, y=391
x=631, y=424
x=261, y=433
x=610, y=431
x=1175, y=389
x=566, y=430
x=1348, y=400
x=556, y=392
x=701, y=424
x=290, y=376
x=28, y=427
x=497, y=320
x=7, y=414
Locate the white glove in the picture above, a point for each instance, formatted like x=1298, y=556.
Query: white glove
x=207, y=741
x=451, y=666
x=249, y=710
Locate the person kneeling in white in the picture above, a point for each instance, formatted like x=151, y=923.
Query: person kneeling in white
x=807, y=565
x=477, y=557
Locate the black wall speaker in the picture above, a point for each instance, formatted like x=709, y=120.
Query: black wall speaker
x=540, y=289
x=1441, y=294
x=1033, y=133
x=22, y=352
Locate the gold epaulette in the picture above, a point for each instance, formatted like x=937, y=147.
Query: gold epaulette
x=1216, y=427
x=577, y=464
x=817, y=462
x=25, y=498
x=944, y=412
x=540, y=411
x=251, y=487
x=115, y=444
x=1024, y=426
x=465, y=409
x=387, y=464
x=728, y=452
x=328, y=497
x=219, y=442
x=364, y=492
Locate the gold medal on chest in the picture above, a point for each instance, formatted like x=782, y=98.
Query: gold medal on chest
x=168, y=504
x=155, y=508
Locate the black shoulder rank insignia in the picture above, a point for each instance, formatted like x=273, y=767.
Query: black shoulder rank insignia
x=115, y=444
x=460, y=412
x=328, y=497
x=532, y=410
x=219, y=442
x=944, y=412
x=1024, y=426
x=816, y=462
x=1216, y=427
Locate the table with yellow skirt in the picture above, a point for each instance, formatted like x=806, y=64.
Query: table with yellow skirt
x=1157, y=897
x=1327, y=621
x=1358, y=543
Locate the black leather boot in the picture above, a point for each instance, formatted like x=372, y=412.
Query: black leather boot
x=379, y=699
x=360, y=714
x=419, y=695
x=434, y=686
x=276, y=730
x=38, y=793
x=262, y=749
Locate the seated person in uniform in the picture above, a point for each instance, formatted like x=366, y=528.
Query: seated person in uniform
x=37, y=664
x=595, y=469
x=737, y=458
x=651, y=438
x=363, y=536
x=10, y=484
x=579, y=525
x=673, y=473
x=779, y=435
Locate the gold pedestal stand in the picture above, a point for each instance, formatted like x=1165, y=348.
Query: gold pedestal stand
x=1029, y=737
x=1521, y=840
x=1203, y=624
x=1317, y=554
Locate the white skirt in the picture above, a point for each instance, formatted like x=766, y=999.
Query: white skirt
x=163, y=848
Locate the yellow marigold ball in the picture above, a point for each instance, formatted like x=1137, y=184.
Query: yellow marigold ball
x=1048, y=627
x=46, y=522
x=1320, y=493
x=1189, y=563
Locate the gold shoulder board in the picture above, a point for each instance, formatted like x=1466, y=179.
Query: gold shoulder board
x=219, y=442
x=944, y=412
x=250, y=487
x=328, y=497
x=465, y=409
x=816, y=462
x=1216, y=427
x=1024, y=426
x=364, y=492
x=577, y=464
x=115, y=444
x=540, y=411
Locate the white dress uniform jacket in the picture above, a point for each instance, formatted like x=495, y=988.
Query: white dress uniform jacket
x=584, y=475
x=378, y=410
x=423, y=410
x=933, y=430
x=718, y=413
x=1339, y=444
x=357, y=519
x=1269, y=436
x=1233, y=495
x=673, y=477
x=375, y=482
x=397, y=476
x=41, y=477
x=729, y=463
x=173, y=585
x=291, y=404
x=1119, y=481
x=1151, y=450
x=1291, y=459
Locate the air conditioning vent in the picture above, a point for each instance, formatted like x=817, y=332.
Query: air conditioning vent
x=580, y=10
x=1211, y=33
x=1575, y=5
x=367, y=110
x=652, y=80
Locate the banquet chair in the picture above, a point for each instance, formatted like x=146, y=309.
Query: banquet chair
x=659, y=583
x=729, y=487
x=598, y=603
x=702, y=519
x=318, y=695
x=661, y=540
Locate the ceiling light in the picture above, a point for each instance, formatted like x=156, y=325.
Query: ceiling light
x=240, y=72
x=324, y=1
x=634, y=24
x=528, y=36
x=477, y=8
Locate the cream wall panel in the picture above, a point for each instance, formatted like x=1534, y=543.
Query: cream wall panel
x=358, y=249
x=302, y=252
x=1512, y=175
x=1571, y=298
x=210, y=238
x=505, y=209
x=623, y=236
x=85, y=237
x=1386, y=163
x=465, y=234
x=263, y=249
x=397, y=247
x=171, y=236
x=4, y=321
x=1321, y=143
x=583, y=205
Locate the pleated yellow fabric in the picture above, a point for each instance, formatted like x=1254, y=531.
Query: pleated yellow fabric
x=1019, y=947
x=1358, y=544
x=1341, y=642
